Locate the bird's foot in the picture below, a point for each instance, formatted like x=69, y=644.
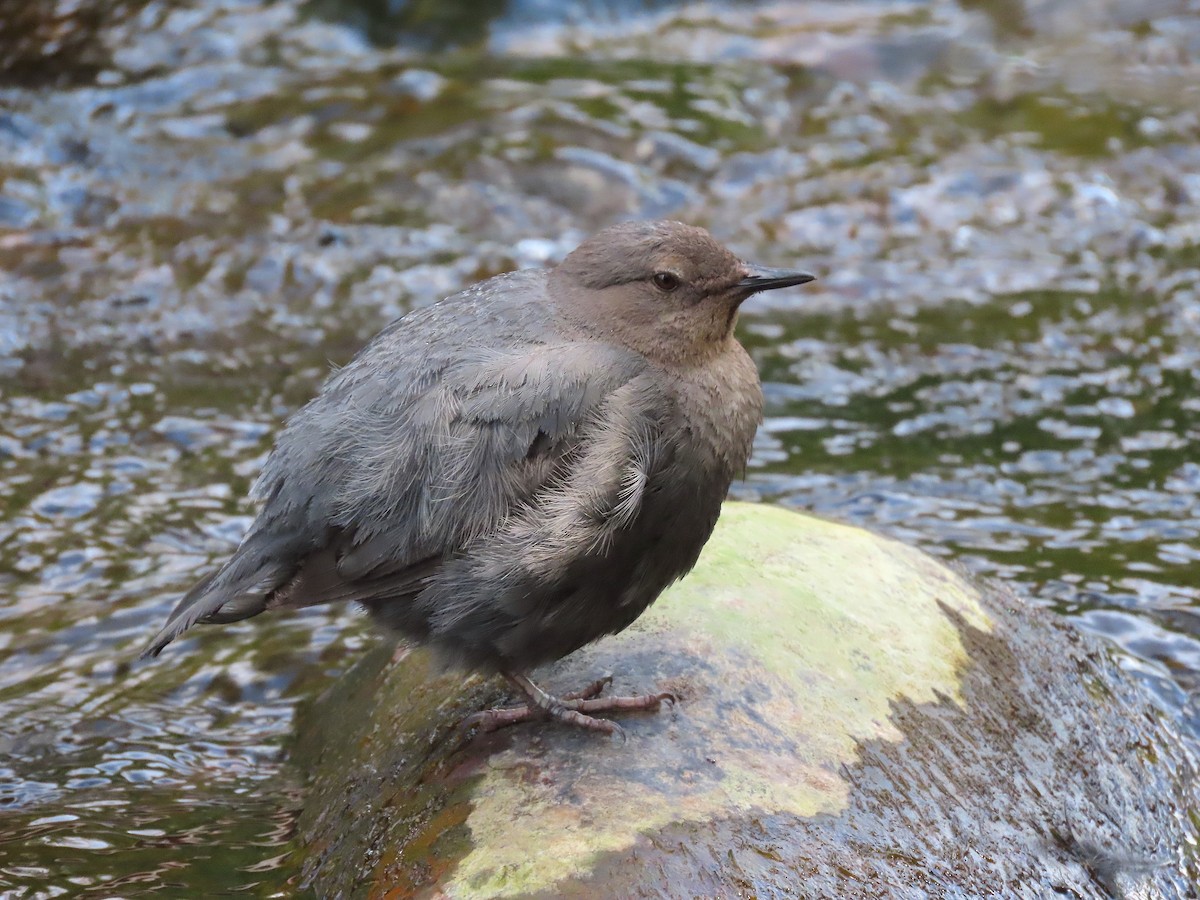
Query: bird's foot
x=572, y=708
x=595, y=689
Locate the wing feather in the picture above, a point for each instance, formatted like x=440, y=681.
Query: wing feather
x=414, y=451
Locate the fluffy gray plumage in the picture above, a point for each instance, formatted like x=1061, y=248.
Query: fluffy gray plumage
x=519, y=469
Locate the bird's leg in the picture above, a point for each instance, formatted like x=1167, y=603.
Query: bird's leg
x=571, y=708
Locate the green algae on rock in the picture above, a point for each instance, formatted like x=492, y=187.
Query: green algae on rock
x=803, y=653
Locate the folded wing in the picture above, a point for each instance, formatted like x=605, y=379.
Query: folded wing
x=418, y=450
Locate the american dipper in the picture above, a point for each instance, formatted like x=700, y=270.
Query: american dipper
x=517, y=470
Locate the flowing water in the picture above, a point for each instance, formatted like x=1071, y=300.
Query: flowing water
x=205, y=205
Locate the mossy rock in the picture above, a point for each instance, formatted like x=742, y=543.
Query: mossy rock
x=856, y=719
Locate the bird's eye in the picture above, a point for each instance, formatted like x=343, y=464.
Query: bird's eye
x=665, y=281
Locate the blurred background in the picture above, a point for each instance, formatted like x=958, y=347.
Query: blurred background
x=203, y=205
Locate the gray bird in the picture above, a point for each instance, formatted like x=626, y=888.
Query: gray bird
x=518, y=470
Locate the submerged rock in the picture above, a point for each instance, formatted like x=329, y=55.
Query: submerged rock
x=854, y=718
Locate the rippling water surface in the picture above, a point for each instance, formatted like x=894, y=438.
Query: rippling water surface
x=998, y=364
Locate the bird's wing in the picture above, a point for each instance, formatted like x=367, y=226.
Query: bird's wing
x=581, y=529
x=401, y=462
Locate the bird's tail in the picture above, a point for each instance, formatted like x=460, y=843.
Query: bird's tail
x=238, y=590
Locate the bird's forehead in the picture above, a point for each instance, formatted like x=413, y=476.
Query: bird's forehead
x=696, y=257
x=634, y=251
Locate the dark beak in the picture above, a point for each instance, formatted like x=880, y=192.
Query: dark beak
x=762, y=278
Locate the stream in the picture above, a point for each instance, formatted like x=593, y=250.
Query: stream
x=205, y=205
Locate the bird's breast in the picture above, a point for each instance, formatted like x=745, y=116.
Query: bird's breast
x=721, y=406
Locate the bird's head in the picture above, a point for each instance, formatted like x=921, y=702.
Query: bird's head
x=666, y=289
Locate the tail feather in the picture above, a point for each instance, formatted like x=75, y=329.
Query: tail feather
x=236, y=591
x=279, y=569
x=200, y=601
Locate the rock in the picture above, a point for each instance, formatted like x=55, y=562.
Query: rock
x=856, y=719
x=54, y=42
